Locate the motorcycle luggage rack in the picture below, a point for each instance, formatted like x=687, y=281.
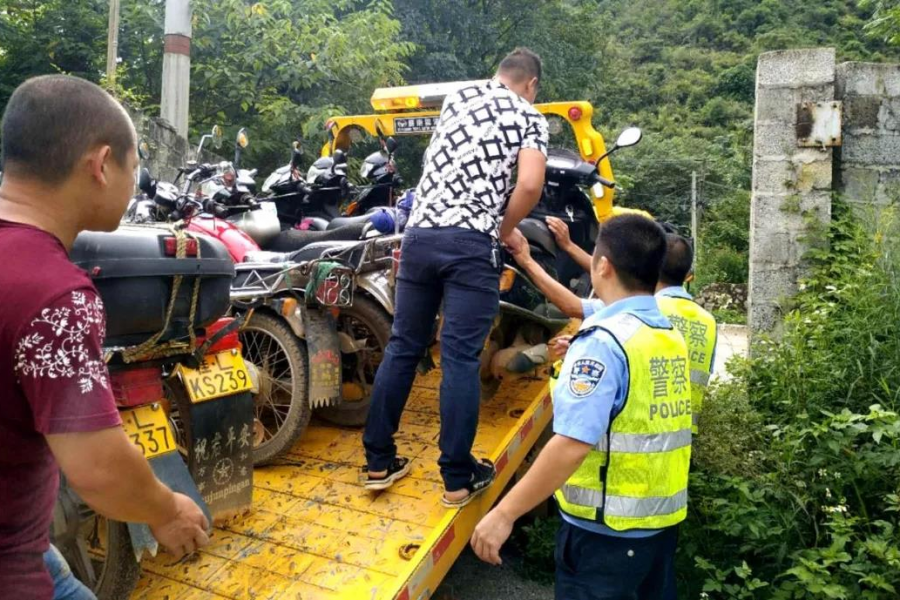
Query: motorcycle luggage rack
x=336, y=290
x=268, y=280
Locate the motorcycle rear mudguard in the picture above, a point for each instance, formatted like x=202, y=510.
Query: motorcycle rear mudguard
x=324, y=350
x=172, y=471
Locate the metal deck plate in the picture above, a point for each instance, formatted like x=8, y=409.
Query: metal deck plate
x=315, y=533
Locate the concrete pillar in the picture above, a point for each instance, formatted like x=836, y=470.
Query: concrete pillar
x=176, y=83
x=791, y=185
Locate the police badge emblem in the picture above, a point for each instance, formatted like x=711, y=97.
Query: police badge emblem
x=585, y=376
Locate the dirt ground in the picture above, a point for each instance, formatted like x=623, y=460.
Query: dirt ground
x=471, y=579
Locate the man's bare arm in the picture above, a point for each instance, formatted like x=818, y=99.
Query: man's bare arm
x=556, y=292
x=561, y=232
x=529, y=187
x=554, y=465
x=111, y=475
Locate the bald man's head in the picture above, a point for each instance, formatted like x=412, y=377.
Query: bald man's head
x=51, y=122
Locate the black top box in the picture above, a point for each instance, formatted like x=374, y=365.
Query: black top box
x=134, y=269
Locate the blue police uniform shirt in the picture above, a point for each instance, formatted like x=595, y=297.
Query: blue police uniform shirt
x=583, y=411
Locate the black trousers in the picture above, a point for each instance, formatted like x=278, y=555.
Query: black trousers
x=591, y=566
x=450, y=265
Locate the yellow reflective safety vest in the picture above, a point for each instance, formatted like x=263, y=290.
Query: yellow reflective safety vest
x=699, y=330
x=637, y=475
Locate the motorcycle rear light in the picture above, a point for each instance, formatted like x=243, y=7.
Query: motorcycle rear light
x=190, y=249
x=575, y=113
x=137, y=386
x=395, y=262
x=230, y=341
x=507, y=278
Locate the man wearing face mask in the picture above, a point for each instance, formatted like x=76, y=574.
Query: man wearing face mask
x=618, y=462
x=69, y=157
x=450, y=257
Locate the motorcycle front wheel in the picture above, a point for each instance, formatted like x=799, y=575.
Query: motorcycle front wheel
x=281, y=407
x=102, y=558
x=367, y=327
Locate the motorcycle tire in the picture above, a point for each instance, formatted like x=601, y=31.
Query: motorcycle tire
x=264, y=337
x=371, y=316
x=119, y=572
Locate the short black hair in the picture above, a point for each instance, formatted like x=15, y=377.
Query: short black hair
x=679, y=260
x=50, y=122
x=636, y=247
x=521, y=64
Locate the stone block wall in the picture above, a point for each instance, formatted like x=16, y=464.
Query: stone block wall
x=867, y=167
x=168, y=150
x=791, y=185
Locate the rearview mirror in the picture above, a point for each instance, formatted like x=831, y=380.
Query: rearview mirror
x=145, y=182
x=144, y=150
x=243, y=140
x=217, y=135
x=340, y=157
x=629, y=137
x=391, y=145
x=296, y=153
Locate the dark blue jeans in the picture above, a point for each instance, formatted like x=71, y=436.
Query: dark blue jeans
x=450, y=265
x=591, y=566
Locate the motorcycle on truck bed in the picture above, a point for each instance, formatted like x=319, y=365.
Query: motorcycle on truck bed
x=181, y=386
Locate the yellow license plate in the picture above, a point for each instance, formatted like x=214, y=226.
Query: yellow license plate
x=221, y=374
x=148, y=429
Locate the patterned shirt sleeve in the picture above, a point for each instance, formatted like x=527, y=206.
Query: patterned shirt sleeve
x=537, y=133
x=59, y=366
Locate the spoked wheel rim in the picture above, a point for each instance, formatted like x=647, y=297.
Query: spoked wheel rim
x=92, y=546
x=360, y=367
x=276, y=382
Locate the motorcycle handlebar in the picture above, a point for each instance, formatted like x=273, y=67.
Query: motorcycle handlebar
x=605, y=182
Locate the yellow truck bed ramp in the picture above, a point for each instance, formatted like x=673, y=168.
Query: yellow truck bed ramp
x=315, y=533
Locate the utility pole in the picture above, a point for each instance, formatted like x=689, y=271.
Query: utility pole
x=176, y=83
x=695, y=220
x=112, y=46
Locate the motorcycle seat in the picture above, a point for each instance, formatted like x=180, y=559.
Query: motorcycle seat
x=538, y=234
x=316, y=250
x=345, y=221
x=296, y=239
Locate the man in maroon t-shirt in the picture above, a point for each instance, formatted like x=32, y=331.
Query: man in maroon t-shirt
x=69, y=157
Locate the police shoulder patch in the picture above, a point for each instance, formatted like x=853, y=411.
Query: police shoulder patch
x=585, y=376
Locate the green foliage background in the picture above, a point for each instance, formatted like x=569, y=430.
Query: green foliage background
x=681, y=69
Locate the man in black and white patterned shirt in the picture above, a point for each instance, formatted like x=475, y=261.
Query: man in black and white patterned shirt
x=450, y=255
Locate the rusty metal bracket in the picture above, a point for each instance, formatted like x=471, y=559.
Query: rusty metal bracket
x=819, y=124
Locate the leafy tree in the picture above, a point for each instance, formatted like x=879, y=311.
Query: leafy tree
x=885, y=21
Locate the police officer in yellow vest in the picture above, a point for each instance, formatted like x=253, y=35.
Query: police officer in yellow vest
x=696, y=324
x=619, y=461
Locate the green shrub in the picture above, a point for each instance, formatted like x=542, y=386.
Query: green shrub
x=537, y=543
x=794, y=491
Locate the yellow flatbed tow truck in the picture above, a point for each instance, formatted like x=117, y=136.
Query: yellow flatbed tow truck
x=313, y=531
